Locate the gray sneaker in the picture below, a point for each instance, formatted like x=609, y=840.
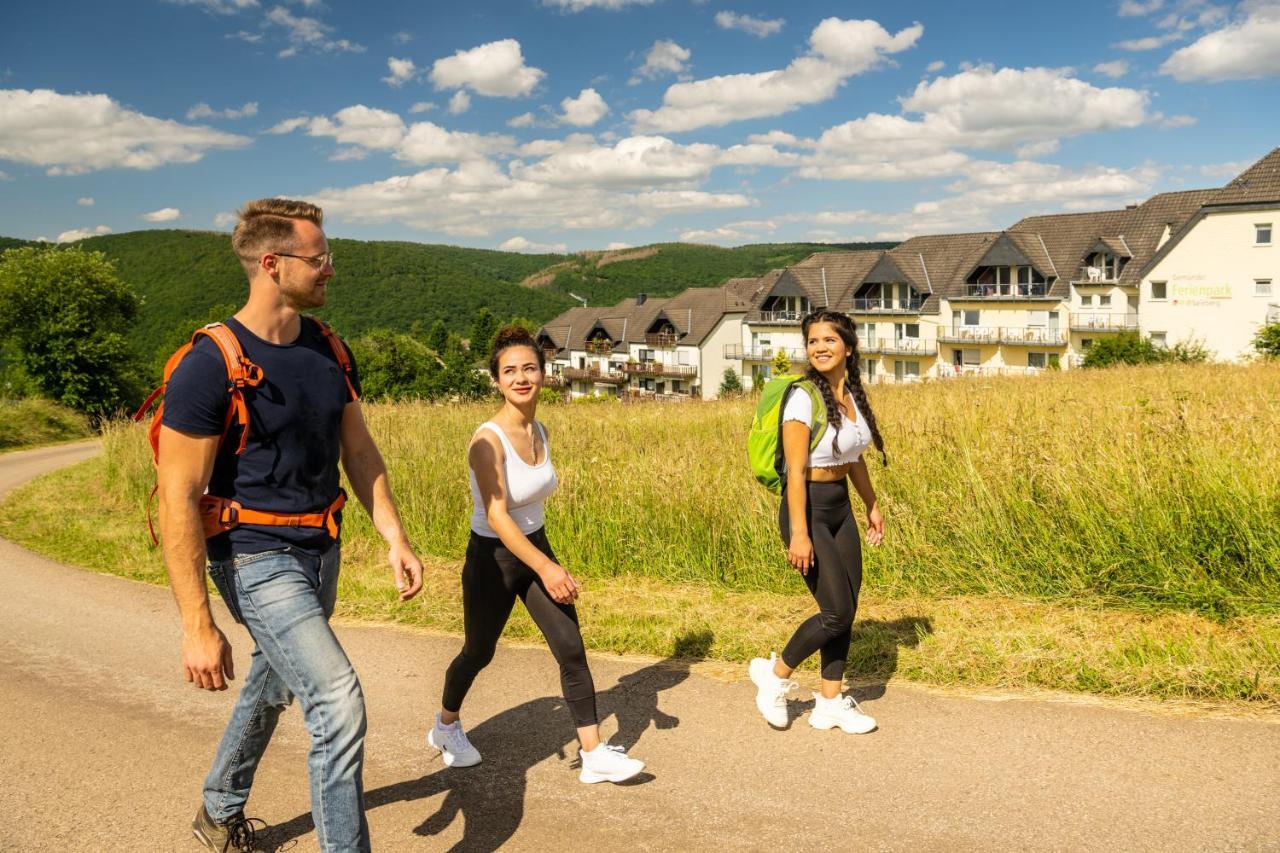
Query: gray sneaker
x=234, y=836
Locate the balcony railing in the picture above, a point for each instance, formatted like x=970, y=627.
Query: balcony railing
x=888, y=306
x=952, y=371
x=777, y=318
x=1088, y=275
x=996, y=292
x=1032, y=336
x=738, y=351
x=656, y=368
x=661, y=339
x=595, y=374
x=1104, y=322
x=969, y=334
x=600, y=346
x=906, y=346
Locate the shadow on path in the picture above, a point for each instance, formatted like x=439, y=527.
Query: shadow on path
x=490, y=796
x=873, y=656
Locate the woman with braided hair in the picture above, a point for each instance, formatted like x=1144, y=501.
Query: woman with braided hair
x=817, y=524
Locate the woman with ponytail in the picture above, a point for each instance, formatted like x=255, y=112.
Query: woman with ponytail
x=817, y=524
x=509, y=557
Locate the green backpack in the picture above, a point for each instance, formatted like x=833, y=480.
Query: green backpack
x=764, y=444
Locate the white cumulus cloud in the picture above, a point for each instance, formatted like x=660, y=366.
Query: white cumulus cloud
x=665, y=57
x=72, y=134
x=80, y=233
x=759, y=27
x=85, y=202
x=580, y=5
x=305, y=33
x=422, y=107
x=1245, y=49
x=838, y=50
x=224, y=220
x=203, y=110
x=521, y=244
x=459, y=103
x=495, y=69
x=1138, y=8
x=1114, y=70
x=402, y=71
x=164, y=214
x=584, y=110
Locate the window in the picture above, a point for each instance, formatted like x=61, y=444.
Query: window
x=1037, y=319
x=906, y=369
x=906, y=330
x=1104, y=299
x=1085, y=343
x=1037, y=359
x=1086, y=299
x=968, y=318
x=1159, y=291
x=1262, y=234
x=1158, y=339
x=646, y=355
x=1262, y=287
x=871, y=371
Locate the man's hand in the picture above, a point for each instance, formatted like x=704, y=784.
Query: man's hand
x=206, y=658
x=406, y=569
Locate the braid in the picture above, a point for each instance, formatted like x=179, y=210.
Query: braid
x=854, y=377
x=834, y=415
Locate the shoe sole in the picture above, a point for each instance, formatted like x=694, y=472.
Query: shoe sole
x=449, y=759
x=202, y=838
x=591, y=777
x=824, y=724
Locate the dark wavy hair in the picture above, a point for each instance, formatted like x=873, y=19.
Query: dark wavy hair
x=514, y=336
x=853, y=376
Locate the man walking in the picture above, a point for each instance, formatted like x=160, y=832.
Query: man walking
x=273, y=550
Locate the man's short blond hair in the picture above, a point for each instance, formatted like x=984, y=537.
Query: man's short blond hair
x=266, y=225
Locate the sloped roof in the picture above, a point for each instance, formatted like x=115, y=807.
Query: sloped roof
x=936, y=264
x=1259, y=183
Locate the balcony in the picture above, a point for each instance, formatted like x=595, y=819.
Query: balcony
x=738, y=351
x=600, y=346
x=1098, y=276
x=660, y=339
x=888, y=306
x=905, y=346
x=595, y=374
x=655, y=368
x=1005, y=292
x=954, y=371
x=775, y=318
x=969, y=334
x=1104, y=322
x=1032, y=336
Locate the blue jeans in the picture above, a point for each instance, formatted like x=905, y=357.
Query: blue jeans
x=285, y=597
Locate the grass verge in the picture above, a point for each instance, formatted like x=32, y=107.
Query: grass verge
x=36, y=422
x=990, y=641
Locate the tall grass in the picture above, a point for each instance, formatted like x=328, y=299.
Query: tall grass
x=1152, y=488
x=33, y=421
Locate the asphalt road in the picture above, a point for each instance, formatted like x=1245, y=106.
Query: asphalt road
x=105, y=746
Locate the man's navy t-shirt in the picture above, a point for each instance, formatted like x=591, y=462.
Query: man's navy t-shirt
x=290, y=461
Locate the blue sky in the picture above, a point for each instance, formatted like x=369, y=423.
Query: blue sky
x=573, y=124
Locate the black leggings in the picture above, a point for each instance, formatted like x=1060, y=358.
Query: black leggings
x=491, y=579
x=834, y=578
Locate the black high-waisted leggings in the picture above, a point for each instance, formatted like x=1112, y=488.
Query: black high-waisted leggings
x=491, y=579
x=834, y=578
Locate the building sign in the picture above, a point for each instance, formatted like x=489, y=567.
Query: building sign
x=1200, y=295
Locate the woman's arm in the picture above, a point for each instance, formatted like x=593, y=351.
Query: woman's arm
x=486, y=457
x=795, y=450
x=861, y=478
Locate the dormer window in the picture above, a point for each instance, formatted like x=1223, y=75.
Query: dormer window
x=787, y=307
x=997, y=281
x=887, y=296
x=1103, y=266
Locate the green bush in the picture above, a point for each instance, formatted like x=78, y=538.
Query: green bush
x=1267, y=342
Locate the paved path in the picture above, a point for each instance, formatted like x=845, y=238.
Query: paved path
x=104, y=747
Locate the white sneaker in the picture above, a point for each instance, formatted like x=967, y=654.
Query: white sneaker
x=451, y=740
x=608, y=763
x=842, y=711
x=771, y=691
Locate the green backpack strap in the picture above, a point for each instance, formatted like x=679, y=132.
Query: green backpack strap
x=819, y=428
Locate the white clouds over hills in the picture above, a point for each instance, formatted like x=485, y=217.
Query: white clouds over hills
x=838, y=50
x=495, y=69
x=370, y=129
x=1245, y=49
x=72, y=134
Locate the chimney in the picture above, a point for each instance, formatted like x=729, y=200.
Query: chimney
x=641, y=298
x=1133, y=206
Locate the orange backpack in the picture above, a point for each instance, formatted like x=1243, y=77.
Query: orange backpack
x=217, y=514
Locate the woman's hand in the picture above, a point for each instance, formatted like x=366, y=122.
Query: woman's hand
x=560, y=585
x=800, y=552
x=875, y=525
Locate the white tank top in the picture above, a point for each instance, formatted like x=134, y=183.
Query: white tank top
x=854, y=437
x=526, y=486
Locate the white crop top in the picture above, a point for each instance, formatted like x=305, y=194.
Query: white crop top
x=527, y=486
x=854, y=437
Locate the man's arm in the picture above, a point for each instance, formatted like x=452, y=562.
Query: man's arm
x=186, y=463
x=368, y=475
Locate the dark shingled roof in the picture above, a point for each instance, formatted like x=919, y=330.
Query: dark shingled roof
x=1259, y=182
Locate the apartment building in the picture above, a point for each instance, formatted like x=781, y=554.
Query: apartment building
x=1195, y=266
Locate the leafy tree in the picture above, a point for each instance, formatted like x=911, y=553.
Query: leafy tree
x=1267, y=342
x=395, y=366
x=179, y=334
x=781, y=363
x=731, y=384
x=1124, y=348
x=483, y=330
x=67, y=314
x=438, y=337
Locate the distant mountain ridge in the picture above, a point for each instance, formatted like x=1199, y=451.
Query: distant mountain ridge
x=183, y=275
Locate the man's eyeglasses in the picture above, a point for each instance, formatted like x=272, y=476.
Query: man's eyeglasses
x=317, y=261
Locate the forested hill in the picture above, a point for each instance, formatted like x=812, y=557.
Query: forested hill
x=183, y=275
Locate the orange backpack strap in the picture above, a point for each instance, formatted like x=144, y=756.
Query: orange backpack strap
x=241, y=373
x=218, y=515
x=339, y=352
